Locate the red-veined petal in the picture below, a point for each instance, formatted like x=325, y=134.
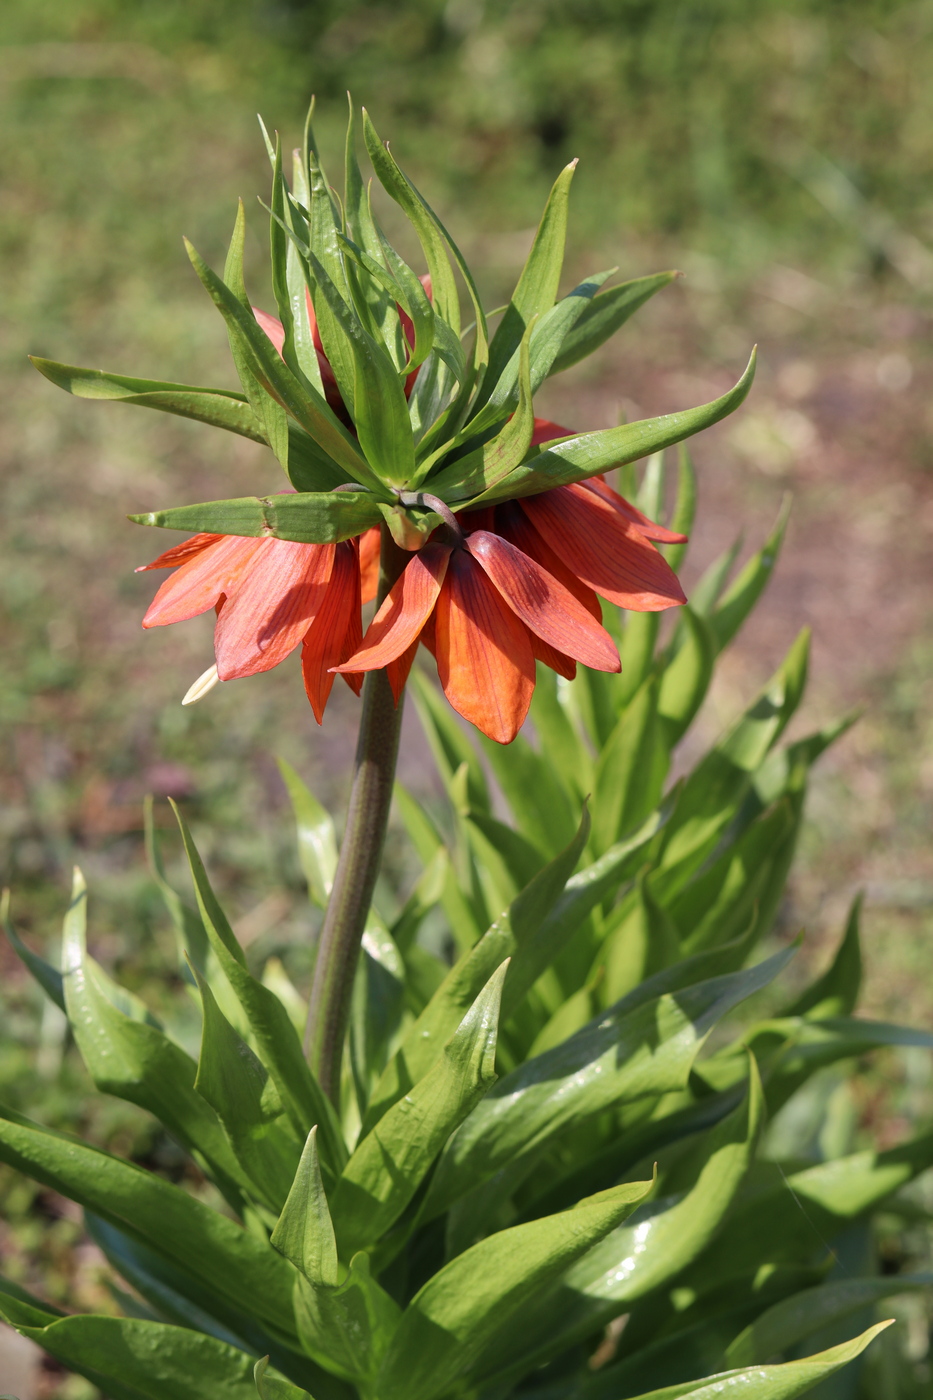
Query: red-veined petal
x=336, y=630
x=404, y=611
x=513, y=524
x=484, y=658
x=370, y=545
x=604, y=549
x=271, y=606
x=648, y=528
x=545, y=606
x=180, y=553
x=201, y=583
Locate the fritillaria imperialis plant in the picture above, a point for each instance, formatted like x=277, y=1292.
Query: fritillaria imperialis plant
x=498, y=1165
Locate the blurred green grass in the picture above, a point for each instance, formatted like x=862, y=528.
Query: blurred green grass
x=779, y=151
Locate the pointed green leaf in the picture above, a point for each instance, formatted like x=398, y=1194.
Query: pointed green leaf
x=588, y=454
x=737, y=602
x=315, y=517
x=214, y=1250
x=631, y=769
x=641, y=940
x=836, y=992
x=540, y=804
x=238, y=1088
x=317, y=840
x=392, y=1160
x=301, y=400
x=48, y=977
x=347, y=1327
x=684, y=507
x=377, y=1005
x=536, y=290
x=129, y=1359
x=133, y=1060
x=446, y=1329
x=605, y=315
x=276, y=1038
x=272, y=1387
x=685, y=679
x=304, y=1232
x=559, y=738
x=628, y=1052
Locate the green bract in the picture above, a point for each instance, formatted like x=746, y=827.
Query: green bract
x=383, y=388
x=538, y=1137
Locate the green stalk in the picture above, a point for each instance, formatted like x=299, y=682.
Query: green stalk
x=360, y=858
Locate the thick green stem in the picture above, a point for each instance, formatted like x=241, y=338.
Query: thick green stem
x=360, y=858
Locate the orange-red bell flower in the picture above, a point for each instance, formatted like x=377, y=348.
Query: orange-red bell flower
x=520, y=584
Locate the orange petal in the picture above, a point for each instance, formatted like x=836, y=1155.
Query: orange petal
x=546, y=431
x=336, y=630
x=604, y=549
x=404, y=612
x=201, y=583
x=484, y=658
x=180, y=553
x=550, y=656
x=370, y=545
x=648, y=528
x=272, y=326
x=270, y=606
x=546, y=607
x=397, y=671
x=513, y=524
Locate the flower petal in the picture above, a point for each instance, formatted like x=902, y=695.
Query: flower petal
x=484, y=658
x=513, y=524
x=180, y=553
x=604, y=549
x=336, y=630
x=546, y=607
x=370, y=545
x=272, y=326
x=201, y=583
x=648, y=528
x=404, y=612
x=270, y=606
x=546, y=431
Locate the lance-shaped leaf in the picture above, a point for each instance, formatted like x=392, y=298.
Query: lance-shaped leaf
x=605, y=315
x=345, y=1323
x=129, y=1359
x=494, y=461
x=588, y=454
x=301, y=400
x=212, y=1249
x=134, y=1060
x=309, y=517
x=735, y=605
x=640, y=940
x=268, y=409
x=789, y=1322
x=544, y=338
x=238, y=1088
x=794, y=1214
x=317, y=841
x=647, y=1251
x=377, y=1005
x=276, y=1037
x=810, y=1045
x=681, y=521
x=631, y=769
x=784, y=1381
x=378, y=405
x=686, y=677
x=627, y=1053
x=536, y=289
x=836, y=992
x=715, y=790
x=447, y=1328
x=272, y=1387
x=569, y=757
x=532, y=932
x=543, y=811
x=393, y=1159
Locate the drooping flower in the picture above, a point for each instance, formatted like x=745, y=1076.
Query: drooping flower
x=271, y=596
x=498, y=588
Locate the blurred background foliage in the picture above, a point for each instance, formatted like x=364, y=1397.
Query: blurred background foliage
x=779, y=152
